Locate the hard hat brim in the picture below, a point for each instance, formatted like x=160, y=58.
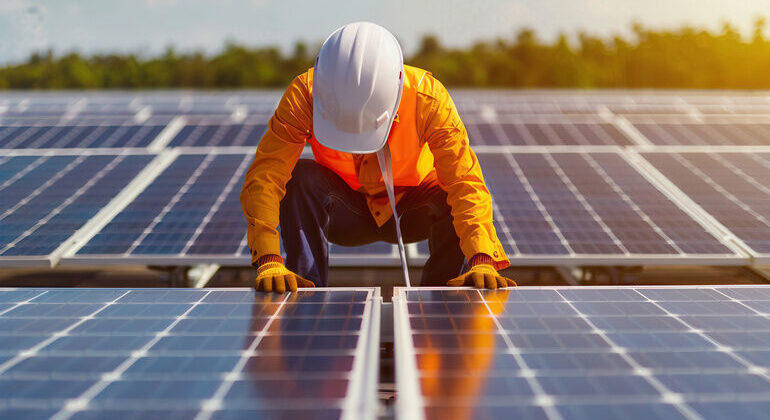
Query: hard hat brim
x=359, y=143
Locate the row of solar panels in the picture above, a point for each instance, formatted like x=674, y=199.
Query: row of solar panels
x=561, y=353
x=592, y=207
x=211, y=131
x=43, y=104
x=102, y=104
x=161, y=119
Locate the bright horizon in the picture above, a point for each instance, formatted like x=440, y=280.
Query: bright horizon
x=149, y=26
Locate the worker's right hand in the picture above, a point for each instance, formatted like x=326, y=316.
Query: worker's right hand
x=274, y=277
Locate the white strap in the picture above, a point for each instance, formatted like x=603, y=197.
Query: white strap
x=386, y=167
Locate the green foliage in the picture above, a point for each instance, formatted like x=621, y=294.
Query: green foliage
x=683, y=58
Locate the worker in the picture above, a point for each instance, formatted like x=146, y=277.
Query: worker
x=358, y=101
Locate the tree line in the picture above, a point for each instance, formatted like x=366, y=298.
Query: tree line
x=685, y=57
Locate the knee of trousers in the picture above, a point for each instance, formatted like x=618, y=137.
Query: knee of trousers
x=306, y=188
x=308, y=176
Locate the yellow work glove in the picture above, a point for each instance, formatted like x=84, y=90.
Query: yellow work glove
x=273, y=276
x=481, y=276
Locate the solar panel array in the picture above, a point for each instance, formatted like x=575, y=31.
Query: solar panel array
x=202, y=354
x=580, y=199
x=583, y=353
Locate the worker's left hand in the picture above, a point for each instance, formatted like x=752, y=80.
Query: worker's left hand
x=481, y=276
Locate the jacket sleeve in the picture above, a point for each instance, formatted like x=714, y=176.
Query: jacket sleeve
x=277, y=154
x=458, y=172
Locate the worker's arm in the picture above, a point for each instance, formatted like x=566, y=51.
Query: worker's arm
x=459, y=174
x=265, y=183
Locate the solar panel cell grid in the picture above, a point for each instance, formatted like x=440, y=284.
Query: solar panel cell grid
x=163, y=218
x=731, y=187
x=78, y=136
x=47, y=200
x=744, y=134
x=545, y=134
x=677, y=352
x=192, y=210
x=182, y=354
x=586, y=205
x=219, y=135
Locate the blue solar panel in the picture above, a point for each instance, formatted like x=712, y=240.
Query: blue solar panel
x=87, y=353
x=45, y=199
x=731, y=187
x=77, y=136
x=587, y=206
x=180, y=210
x=586, y=353
x=723, y=133
x=219, y=135
x=545, y=133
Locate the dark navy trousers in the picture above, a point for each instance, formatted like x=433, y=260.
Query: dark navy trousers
x=319, y=207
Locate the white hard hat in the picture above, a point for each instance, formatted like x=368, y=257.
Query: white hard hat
x=357, y=83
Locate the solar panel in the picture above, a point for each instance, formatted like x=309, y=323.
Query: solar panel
x=45, y=108
x=203, y=354
x=583, y=352
x=624, y=103
x=191, y=213
x=24, y=134
x=590, y=208
x=672, y=108
x=706, y=134
x=544, y=132
x=730, y=186
x=199, y=132
x=45, y=199
x=704, y=131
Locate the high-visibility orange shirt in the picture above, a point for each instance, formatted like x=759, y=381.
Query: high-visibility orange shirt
x=438, y=123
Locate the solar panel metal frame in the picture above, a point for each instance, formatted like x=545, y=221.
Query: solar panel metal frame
x=54, y=258
x=70, y=257
x=739, y=256
x=360, y=401
x=411, y=405
x=636, y=155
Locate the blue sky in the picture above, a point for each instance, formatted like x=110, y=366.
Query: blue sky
x=148, y=26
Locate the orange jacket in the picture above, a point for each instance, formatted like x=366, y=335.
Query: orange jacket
x=437, y=124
